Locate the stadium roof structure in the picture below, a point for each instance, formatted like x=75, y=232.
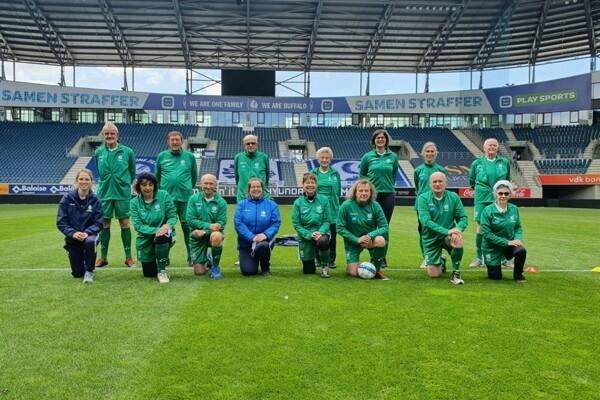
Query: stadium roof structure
x=298, y=35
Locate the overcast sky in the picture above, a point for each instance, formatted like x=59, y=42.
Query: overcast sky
x=323, y=84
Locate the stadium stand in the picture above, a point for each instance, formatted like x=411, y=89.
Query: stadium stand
x=288, y=174
x=346, y=143
x=496, y=133
x=230, y=140
x=563, y=166
x=50, y=142
x=38, y=152
x=444, y=139
x=561, y=141
x=149, y=140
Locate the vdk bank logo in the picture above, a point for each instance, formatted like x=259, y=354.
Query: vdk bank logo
x=505, y=101
x=167, y=102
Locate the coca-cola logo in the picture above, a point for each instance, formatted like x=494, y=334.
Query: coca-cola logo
x=466, y=192
x=522, y=192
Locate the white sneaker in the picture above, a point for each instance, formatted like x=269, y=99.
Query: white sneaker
x=455, y=278
x=423, y=265
x=163, y=277
x=476, y=263
x=88, y=277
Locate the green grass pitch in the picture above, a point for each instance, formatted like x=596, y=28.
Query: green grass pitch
x=301, y=337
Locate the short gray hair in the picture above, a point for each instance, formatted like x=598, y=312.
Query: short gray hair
x=324, y=150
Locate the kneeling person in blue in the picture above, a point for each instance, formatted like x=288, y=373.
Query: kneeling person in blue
x=443, y=219
x=207, y=217
x=154, y=216
x=257, y=221
x=310, y=217
x=80, y=220
x=362, y=224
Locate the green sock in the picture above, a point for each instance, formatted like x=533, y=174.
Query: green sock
x=104, y=241
x=216, y=255
x=324, y=258
x=162, y=255
x=478, y=240
x=377, y=255
x=456, y=255
x=126, y=239
x=185, y=229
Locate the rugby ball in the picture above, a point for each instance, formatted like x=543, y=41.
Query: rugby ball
x=366, y=270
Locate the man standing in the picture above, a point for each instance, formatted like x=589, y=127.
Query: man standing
x=177, y=173
x=248, y=164
x=116, y=171
x=443, y=219
x=483, y=175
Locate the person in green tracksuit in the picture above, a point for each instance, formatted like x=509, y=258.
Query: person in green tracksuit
x=329, y=185
x=380, y=167
x=248, y=164
x=177, y=173
x=207, y=216
x=362, y=224
x=154, y=217
x=443, y=218
x=311, y=220
x=422, y=173
x=116, y=169
x=502, y=234
x=484, y=173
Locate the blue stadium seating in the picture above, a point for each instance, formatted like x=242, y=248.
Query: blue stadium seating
x=346, y=143
x=37, y=152
x=563, y=166
x=444, y=139
x=496, y=133
x=230, y=140
x=560, y=141
x=49, y=142
x=149, y=140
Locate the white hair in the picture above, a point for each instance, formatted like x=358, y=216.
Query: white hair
x=503, y=183
x=324, y=150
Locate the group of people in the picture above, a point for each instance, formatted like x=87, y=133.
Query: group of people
x=362, y=220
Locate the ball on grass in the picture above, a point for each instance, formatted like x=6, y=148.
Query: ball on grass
x=366, y=270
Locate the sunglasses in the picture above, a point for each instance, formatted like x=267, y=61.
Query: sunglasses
x=503, y=193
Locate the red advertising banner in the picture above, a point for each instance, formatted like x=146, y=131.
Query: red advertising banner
x=578, y=179
x=518, y=193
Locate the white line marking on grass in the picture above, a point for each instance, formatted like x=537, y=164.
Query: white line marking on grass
x=124, y=269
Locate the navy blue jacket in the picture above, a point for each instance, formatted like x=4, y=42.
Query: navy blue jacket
x=254, y=216
x=76, y=215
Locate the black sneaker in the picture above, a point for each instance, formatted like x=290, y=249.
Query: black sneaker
x=332, y=265
x=520, y=279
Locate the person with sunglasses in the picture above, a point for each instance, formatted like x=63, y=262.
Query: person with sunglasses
x=502, y=234
x=249, y=164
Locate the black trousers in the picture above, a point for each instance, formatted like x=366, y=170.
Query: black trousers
x=332, y=243
x=250, y=259
x=310, y=266
x=519, y=254
x=387, y=201
x=82, y=255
